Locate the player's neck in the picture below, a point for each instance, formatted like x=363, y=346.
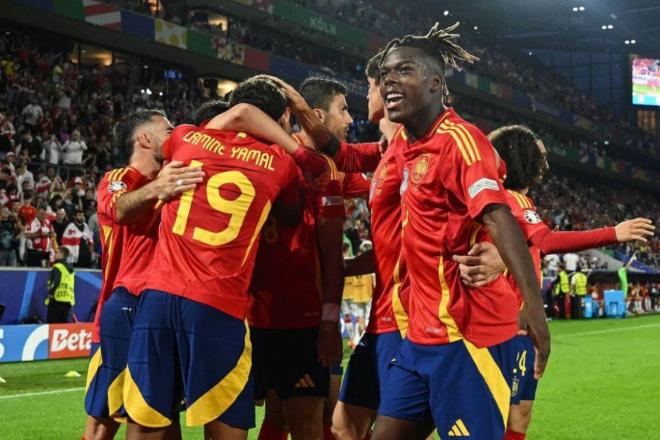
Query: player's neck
x=145, y=165
x=424, y=120
x=306, y=139
x=524, y=191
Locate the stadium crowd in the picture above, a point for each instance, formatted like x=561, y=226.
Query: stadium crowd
x=54, y=149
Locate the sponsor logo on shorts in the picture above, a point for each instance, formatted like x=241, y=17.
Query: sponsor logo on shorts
x=459, y=430
x=305, y=382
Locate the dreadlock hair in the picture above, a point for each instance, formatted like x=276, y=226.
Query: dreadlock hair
x=518, y=146
x=263, y=93
x=123, y=135
x=209, y=109
x=373, y=67
x=319, y=92
x=438, y=43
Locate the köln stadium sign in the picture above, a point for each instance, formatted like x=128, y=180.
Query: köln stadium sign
x=22, y=343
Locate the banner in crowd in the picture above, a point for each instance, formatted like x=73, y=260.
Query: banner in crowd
x=171, y=34
x=36, y=342
x=23, y=292
x=102, y=14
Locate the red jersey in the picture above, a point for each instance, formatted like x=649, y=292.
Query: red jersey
x=127, y=249
x=208, y=237
x=286, y=290
x=387, y=313
x=449, y=177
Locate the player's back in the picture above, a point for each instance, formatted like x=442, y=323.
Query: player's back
x=209, y=236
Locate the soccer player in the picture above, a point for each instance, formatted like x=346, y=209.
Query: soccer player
x=294, y=313
x=128, y=217
x=367, y=369
x=525, y=156
x=190, y=340
x=453, y=370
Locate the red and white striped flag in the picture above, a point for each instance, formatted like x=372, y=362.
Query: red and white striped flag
x=102, y=14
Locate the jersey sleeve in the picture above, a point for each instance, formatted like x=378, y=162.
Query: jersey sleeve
x=476, y=182
x=357, y=158
x=112, y=186
x=355, y=185
x=525, y=213
x=175, y=140
x=328, y=195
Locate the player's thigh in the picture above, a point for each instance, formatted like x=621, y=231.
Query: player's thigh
x=215, y=352
x=361, y=386
x=116, y=327
x=152, y=383
x=304, y=417
x=218, y=430
x=351, y=422
x=273, y=411
x=470, y=388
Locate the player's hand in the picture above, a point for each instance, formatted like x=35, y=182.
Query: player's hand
x=296, y=101
x=175, y=178
x=329, y=344
x=636, y=229
x=481, y=265
x=532, y=321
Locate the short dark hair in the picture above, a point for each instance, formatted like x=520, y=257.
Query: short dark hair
x=209, y=109
x=64, y=251
x=124, y=131
x=263, y=93
x=319, y=92
x=373, y=67
x=518, y=148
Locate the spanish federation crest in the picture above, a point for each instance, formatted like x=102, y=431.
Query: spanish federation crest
x=421, y=167
x=532, y=217
x=116, y=185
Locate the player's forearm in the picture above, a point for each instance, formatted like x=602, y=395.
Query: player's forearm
x=508, y=238
x=250, y=119
x=132, y=206
x=361, y=265
x=550, y=242
x=329, y=238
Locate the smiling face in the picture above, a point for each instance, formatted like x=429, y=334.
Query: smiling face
x=409, y=84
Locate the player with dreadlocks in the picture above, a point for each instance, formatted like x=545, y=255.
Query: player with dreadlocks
x=454, y=369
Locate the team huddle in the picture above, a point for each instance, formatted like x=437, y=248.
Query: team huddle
x=223, y=269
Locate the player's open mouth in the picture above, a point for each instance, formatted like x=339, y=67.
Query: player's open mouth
x=393, y=99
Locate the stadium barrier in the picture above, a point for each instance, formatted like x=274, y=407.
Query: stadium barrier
x=35, y=342
x=24, y=290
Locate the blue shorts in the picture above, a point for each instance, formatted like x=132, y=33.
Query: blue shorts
x=104, y=392
x=523, y=386
x=461, y=389
x=286, y=361
x=183, y=349
x=368, y=368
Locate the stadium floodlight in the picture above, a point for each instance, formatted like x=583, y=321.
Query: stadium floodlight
x=609, y=26
x=582, y=8
x=633, y=41
x=476, y=28
x=575, y=8
x=603, y=27
x=446, y=13
x=141, y=90
x=627, y=42
x=606, y=142
x=530, y=53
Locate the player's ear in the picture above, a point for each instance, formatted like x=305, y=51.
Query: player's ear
x=320, y=114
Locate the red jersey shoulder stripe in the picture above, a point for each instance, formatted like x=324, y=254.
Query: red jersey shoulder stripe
x=521, y=199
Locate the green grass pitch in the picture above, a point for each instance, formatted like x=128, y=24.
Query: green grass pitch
x=602, y=383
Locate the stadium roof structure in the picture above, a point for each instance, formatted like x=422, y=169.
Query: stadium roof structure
x=600, y=25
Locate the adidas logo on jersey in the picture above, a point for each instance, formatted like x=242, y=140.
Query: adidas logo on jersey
x=305, y=382
x=459, y=430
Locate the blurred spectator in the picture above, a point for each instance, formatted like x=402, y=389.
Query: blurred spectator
x=78, y=239
x=571, y=261
x=8, y=232
x=73, y=149
x=39, y=234
x=59, y=224
x=32, y=114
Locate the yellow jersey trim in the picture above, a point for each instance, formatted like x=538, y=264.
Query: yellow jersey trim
x=95, y=363
x=257, y=230
x=453, y=333
x=137, y=408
